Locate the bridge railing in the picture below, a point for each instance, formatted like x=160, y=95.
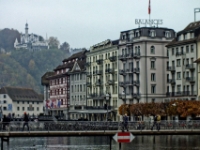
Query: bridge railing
x=96, y=125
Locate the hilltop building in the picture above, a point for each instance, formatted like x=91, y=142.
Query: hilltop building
x=142, y=64
x=30, y=41
x=183, y=77
x=17, y=100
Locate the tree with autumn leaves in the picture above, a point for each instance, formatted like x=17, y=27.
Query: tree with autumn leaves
x=182, y=108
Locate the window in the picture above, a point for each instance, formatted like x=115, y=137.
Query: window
x=23, y=108
x=153, y=100
x=4, y=108
x=38, y=109
x=192, y=48
x=152, y=64
x=37, y=102
x=22, y=102
x=187, y=49
x=28, y=102
x=172, y=51
x=18, y=108
x=167, y=34
x=17, y=102
x=178, y=88
x=178, y=75
x=153, y=77
x=153, y=88
x=4, y=96
x=4, y=101
x=152, y=33
x=152, y=50
x=178, y=62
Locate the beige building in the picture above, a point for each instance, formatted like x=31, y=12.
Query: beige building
x=183, y=72
x=143, y=64
x=19, y=100
x=102, y=79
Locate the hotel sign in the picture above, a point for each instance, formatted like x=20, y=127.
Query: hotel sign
x=149, y=21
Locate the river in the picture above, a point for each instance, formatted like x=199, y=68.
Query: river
x=164, y=142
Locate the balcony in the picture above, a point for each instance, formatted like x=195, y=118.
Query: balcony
x=129, y=83
x=109, y=70
x=172, y=81
x=99, y=61
x=98, y=83
x=190, y=66
x=179, y=54
x=110, y=82
x=136, y=95
x=122, y=57
x=122, y=84
x=181, y=93
x=112, y=58
x=190, y=79
x=122, y=72
x=96, y=96
x=136, y=55
x=136, y=70
x=88, y=64
x=172, y=68
x=89, y=74
x=99, y=72
x=129, y=55
x=88, y=84
x=129, y=71
x=136, y=83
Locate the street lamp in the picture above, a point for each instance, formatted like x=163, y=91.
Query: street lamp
x=124, y=99
x=108, y=96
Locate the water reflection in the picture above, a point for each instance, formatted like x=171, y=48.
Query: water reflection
x=170, y=142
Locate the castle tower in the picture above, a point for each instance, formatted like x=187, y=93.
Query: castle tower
x=26, y=29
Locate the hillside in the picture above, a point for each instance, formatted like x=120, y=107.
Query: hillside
x=7, y=38
x=24, y=68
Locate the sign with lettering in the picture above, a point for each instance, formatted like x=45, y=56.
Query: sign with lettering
x=150, y=22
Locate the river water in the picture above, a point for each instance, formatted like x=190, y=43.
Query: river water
x=163, y=142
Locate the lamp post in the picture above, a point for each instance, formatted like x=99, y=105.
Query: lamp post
x=108, y=96
x=124, y=99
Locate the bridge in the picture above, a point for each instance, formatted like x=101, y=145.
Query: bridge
x=89, y=128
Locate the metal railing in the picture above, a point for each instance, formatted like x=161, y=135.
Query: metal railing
x=98, y=125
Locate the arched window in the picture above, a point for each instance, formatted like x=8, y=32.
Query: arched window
x=152, y=50
x=138, y=50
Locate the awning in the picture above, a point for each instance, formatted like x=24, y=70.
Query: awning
x=90, y=111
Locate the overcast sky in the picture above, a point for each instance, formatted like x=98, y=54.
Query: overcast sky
x=83, y=23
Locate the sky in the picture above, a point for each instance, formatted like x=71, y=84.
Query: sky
x=84, y=23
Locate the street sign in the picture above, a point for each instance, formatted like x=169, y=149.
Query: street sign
x=123, y=137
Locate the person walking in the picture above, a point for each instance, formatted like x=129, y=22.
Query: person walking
x=26, y=119
x=154, y=122
x=125, y=123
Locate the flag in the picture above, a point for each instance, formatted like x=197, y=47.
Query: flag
x=149, y=9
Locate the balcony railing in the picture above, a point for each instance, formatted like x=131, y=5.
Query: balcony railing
x=172, y=81
x=96, y=96
x=122, y=84
x=88, y=84
x=99, y=72
x=136, y=70
x=122, y=72
x=98, y=83
x=179, y=53
x=109, y=70
x=181, y=93
x=136, y=83
x=189, y=66
x=112, y=58
x=129, y=71
x=122, y=57
x=129, y=83
x=190, y=79
x=171, y=68
x=99, y=61
x=136, y=55
x=89, y=74
x=136, y=95
x=97, y=107
x=110, y=82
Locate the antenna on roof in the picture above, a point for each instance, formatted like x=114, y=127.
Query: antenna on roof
x=196, y=10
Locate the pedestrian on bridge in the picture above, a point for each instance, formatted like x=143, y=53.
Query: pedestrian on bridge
x=125, y=123
x=26, y=119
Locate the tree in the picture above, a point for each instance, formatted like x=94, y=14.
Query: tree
x=53, y=43
x=65, y=47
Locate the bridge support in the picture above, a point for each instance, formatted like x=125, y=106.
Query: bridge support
x=110, y=142
x=4, y=139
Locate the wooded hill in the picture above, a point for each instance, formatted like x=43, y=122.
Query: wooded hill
x=25, y=68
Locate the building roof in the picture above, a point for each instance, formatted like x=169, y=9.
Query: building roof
x=76, y=55
x=44, y=80
x=193, y=26
x=21, y=94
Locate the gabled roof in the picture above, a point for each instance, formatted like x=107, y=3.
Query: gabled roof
x=21, y=94
x=76, y=55
x=44, y=80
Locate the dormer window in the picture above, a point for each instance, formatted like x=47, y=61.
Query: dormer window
x=137, y=33
x=123, y=37
x=152, y=33
x=57, y=71
x=167, y=34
